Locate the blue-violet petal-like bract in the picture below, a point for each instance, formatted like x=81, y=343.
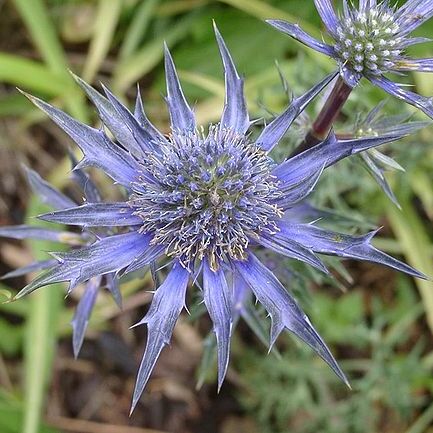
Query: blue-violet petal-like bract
x=200, y=202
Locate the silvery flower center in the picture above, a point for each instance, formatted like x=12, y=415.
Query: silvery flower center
x=207, y=195
x=367, y=42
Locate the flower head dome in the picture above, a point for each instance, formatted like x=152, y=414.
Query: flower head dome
x=202, y=201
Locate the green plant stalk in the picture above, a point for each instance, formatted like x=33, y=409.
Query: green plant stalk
x=416, y=247
x=41, y=335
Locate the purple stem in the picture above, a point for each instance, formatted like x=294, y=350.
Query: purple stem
x=326, y=117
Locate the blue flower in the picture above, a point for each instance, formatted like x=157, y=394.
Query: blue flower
x=370, y=41
x=202, y=201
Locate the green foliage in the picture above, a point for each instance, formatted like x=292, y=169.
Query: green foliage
x=299, y=394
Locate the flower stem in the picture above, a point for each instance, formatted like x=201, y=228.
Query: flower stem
x=326, y=117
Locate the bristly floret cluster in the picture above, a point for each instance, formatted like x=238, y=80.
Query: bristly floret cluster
x=207, y=196
x=201, y=203
x=370, y=41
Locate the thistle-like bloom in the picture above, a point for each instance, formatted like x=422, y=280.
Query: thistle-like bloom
x=371, y=41
x=202, y=201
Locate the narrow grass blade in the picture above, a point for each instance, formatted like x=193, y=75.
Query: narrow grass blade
x=43, y=34
x=175, y=7
x=416, y=246
x=137, y=29
x=421, y=184
x=206, y=369
x=105, y=24
x=129, y=71
x=32, y=75
x=41, y=334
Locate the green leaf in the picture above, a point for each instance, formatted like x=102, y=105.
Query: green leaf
x=42, y=32
x=5, y=294
x=423, y=83
x=260, y=9
x=16, y=308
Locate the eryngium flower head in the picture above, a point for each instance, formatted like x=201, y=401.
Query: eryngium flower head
x=202, y=201
x=370, y=41
x=208, y=195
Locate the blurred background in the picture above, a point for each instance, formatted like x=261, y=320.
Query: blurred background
x=377, y=322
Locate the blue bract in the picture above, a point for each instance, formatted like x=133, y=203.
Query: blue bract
x=371, y=41
x=202, y=201
x=57, y=200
